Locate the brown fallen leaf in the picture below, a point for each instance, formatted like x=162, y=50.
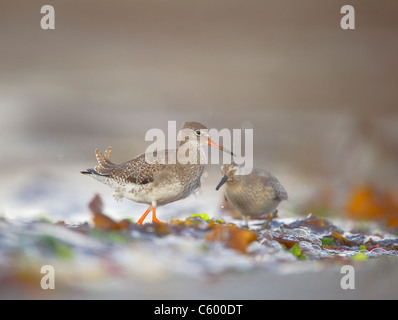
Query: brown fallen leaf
x=233, y=237
x=340, y=238
x=192, y=222
x=288, y=243
x=369, y=202
x=365, y=203
x=315, y=224
x=102, y=221
x=159, y=229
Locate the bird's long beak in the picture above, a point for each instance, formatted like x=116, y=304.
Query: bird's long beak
x=216, y=145
x=223, y=180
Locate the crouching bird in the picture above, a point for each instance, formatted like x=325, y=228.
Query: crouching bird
x=253, y=194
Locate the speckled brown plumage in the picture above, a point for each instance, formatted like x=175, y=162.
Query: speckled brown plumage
x=155, y=183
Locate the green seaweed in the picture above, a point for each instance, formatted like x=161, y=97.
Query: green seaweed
x=59, y=248
x=327, y=241
x=360, y=256
x=296, y=251
x=203, y=216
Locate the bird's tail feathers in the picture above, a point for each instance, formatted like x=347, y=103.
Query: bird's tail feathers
x=105, y=165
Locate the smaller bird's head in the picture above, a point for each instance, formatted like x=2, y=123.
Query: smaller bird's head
x=228, y=172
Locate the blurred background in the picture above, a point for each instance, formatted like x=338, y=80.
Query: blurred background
x=323, y=102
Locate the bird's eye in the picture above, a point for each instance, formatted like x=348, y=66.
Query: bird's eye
x=198, y=132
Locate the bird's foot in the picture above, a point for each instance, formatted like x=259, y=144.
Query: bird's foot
x=156, y=220
x=273, y=215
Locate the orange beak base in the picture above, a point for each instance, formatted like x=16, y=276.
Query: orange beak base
x=216, y=145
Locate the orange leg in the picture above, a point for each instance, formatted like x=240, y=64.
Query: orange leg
x=139, y=222
x=154, y=219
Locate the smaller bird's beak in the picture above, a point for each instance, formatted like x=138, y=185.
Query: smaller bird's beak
x=223, y=180
x=216, y=145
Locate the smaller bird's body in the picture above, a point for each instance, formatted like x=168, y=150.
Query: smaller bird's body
x=253, y=194
x=157, y=182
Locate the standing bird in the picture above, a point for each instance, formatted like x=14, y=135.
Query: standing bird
x=162, y=180
x=252, y=194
